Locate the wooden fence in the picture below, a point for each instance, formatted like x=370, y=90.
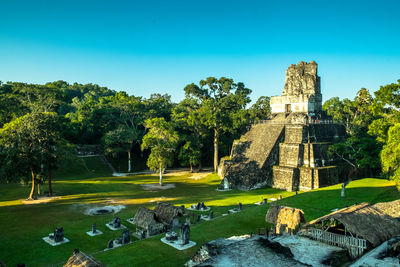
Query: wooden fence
x=354, y=245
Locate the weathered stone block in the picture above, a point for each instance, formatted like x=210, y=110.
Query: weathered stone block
x=286, y=178
x=290, y=155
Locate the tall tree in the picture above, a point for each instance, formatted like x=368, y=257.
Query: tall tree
x=30, y=141
x=161, y=139
x=220, y=102
x=185, y=115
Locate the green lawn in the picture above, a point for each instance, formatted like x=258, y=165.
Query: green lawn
x=23, y=226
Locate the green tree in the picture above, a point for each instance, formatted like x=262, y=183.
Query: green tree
x=386, y=109
x=161, y=139
x=390, y=155
x=261, y=110
x=121, y=140
x=186, y=117
x=220, y=102
x=30, y=141
x=128, y=113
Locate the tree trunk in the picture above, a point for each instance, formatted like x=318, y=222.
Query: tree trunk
x=38, y=188
x=349, y=179
x=200, y=166
x=31, y=195
x=191, y=167
x=49, y=179
x=161, y=176
x=129, y=161
x=216, y=136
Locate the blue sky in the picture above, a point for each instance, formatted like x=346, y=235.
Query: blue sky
x=145, y=47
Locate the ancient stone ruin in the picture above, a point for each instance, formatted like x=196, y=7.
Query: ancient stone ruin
x=290, y=150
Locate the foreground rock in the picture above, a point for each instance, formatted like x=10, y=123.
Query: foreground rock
x=260, y=251
x=387, y=254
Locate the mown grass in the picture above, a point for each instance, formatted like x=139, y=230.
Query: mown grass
x=23, y=226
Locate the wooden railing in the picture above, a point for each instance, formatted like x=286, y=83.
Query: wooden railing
x=354, y=245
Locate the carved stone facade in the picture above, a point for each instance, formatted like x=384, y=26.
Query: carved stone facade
x=289, y=151
x=302, y=90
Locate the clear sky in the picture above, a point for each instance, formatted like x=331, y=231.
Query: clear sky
x=145, y=47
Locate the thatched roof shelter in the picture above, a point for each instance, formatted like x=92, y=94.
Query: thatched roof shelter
x=365, y=221
x=82, y=260
x=144, y=217
x=167, y=212
x=391, y=208
x=285, y=216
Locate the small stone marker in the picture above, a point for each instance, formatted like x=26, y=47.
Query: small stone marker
x=211, y=216
x=110, y=244
x=198, y=218
x=94, y=231
x=58, y=234
x=280, y=197
x=126, y=238
x=240, y=206
x=115, y=224
x=171, y=236
x=185, y=234
x=56, y=238
x=226, y=183
x=265, y=201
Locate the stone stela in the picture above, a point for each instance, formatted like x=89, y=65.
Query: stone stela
x=183, y=241
x=94, y=231
x=290, y=150
x=56, y=238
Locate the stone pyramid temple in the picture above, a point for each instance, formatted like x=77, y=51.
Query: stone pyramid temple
x=290, y=150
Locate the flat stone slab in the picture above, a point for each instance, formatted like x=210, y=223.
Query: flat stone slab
x=234, y=210
x=115, y=229
x=130, y=220
x=260, y=203
x=190, y=208
x=98, y=232
x=272, y=199
x=175, y=244
x=206, y=218
x=223, y=190
x=50, y=241
x=225, y=214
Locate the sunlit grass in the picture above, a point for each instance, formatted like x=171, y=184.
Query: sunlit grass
x=23, y=226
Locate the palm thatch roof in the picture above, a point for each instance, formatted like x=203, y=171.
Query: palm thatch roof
x=281, y=215
x=144, y=217
x=366, y=221
x=390, y=208
x=82, y=260
x=167, y=212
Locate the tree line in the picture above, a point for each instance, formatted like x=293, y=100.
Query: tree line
x=41, y=124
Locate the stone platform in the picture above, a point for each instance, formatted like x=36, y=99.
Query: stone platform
x=175, y=244
x=98, y=232
x=50, y=241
